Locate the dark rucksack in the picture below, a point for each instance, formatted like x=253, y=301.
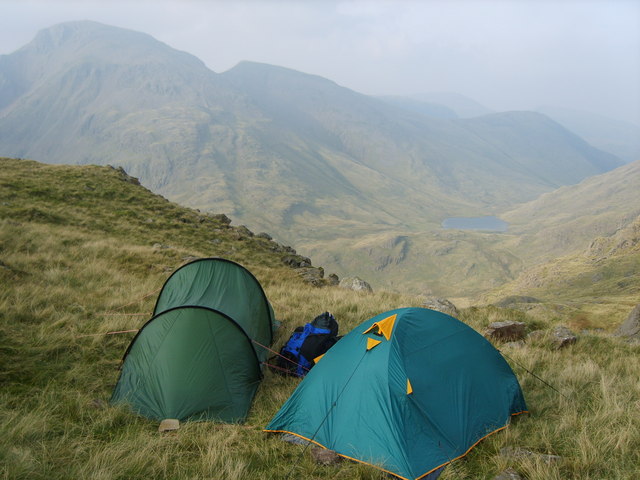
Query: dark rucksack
x=306, y=344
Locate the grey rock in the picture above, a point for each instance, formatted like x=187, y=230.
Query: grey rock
x=506, y=331
x=561, y=337
x=296, y=261
x=160, y=246
x=264, y=235
x=631, y=326
x=441, y=305
x=313, y=275
x=356, y=283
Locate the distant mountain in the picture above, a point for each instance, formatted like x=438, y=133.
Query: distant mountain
x=614, y=136
x=464, y=107
x=280, y=150
x=429, y=109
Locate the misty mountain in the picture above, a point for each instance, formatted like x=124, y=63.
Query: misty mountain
x=462, y=106
x=615, y=136
x=280, y=150
x=429, y=109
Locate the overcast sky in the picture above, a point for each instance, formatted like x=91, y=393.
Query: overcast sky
x=506, y=54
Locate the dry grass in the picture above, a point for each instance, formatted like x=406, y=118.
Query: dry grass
x=60, y=279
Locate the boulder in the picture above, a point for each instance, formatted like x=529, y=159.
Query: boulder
x=313, y=275
x=506, y=331
x=631, y=326
x=441, y=305
x=296, y=261
x=356, y=283
x=561, y=337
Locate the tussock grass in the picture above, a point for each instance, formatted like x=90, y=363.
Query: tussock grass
x=66, y=272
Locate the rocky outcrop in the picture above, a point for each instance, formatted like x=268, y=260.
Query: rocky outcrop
x=562, y=337
x=441, y=305
x=631, y=326
x=357, y=284
x=506, y=331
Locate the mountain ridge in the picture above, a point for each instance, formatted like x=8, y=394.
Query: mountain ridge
x=279, y=150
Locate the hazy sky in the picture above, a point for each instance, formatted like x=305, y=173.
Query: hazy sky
x=506, y=54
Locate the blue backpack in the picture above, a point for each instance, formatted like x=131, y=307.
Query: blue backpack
x=306, y=344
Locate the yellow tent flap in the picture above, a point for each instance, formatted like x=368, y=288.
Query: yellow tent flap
x=384, y=327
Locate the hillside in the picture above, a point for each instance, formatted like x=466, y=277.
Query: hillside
x=457, y=263
x=597, y=285
x=567, y=219
x=279, y=150
x=85, y=249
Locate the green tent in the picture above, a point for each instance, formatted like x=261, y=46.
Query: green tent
x=408, y=391
x=200, y=355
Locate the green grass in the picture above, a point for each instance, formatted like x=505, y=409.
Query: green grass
x=87, y=263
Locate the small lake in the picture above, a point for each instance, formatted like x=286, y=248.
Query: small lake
x=488, y=223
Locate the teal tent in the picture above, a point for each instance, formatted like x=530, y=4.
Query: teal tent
x=199, y=357
x=407, y=391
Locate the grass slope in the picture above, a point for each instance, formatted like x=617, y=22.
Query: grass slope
x=598, y=285
x=82, y=253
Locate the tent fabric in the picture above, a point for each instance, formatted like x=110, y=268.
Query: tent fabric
x=225, y=286
x=407, y=391
x=196, y=358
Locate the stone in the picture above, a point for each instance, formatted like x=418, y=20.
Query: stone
x=356, y=284
x=325, y=456
x=506, y=331
x=296, y=261
x=313, y=275
x=264, y=235
x=169, y=425
x=508, y=474
x=631, y=326
x=561, y=337
x=441, y=305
